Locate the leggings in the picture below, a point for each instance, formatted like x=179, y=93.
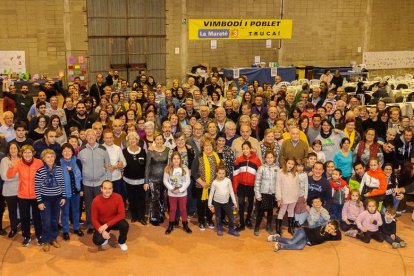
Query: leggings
x=182, y=203
x=290, y=208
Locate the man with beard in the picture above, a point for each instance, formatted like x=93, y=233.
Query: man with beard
x=23, y=102
x=97, y=89
x=81, y=120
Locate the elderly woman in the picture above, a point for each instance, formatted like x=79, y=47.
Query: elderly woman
x=50, y=193
x=27, y=168
x=149, y=134
x=331, y=139
x=204, y=173
x=134, y=177
x=368, y=148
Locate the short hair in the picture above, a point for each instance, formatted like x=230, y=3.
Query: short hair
x=20, y=124
x=46, y=152
x=247, y=143
x=27, y=147
x=68, y=146
x=133, y=135
x=106, y=181
x=391, y=210
x=338, y=170
x=357, y=163
x=207, y=140
x=48, y=130
x=7, y=113
x=40, y=103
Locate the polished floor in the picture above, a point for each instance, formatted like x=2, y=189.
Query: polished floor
x=151, y=252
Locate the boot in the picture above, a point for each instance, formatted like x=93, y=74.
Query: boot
x=186, y=228
x=170, y=228
x=291, y=226
x=279, y=223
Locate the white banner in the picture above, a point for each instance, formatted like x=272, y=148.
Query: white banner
x=12, y=62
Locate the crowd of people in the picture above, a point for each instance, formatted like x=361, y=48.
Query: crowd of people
x=236, y=149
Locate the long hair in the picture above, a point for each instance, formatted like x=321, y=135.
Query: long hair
x=170, y=167
x=284, y=168
x=359, y=202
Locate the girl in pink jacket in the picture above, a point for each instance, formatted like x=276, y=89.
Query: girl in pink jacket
x=368, y=223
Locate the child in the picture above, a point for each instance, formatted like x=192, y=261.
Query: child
x=301, y=211
x=220, y=192
x=340, y=192
x=330, y=98
x=368, y=223
x=351, y=210
x=287, y=194
x=73, y=140
x=317, y=214
x=312, y=159
x=389, y=228
x=177, y=180
x=244, y=176
x=264, y=190
x=317, y=149
x=374, y=182
x=309, y=236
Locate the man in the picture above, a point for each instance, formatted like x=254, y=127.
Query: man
x=220, y=118
x=97, y=89
x=47, y=142
x=23, y=102
x=97, y=127
x=21, y=131
x=318, y=186
x=56, y=110
x=204, y=119
x=7, y=129
x=81, y=88
x=41, y=110
x=95, y=163
x=245, y=132
x=108, y=213
x=356, y=178
x=315, y=129
x=293, y=147
x=90, y=111
x=115, y=79
x=230, y=130
x=195, y=140
x=159, y=94
x=315, y=97
x=212, y=86
x=189, y=109
x=230, y=113
x=404, y=151
x=374, y=122
x=168, y=99
x=246, y=109
x=268, y=121
x=277, y=85
x=169, y=141
x=8, y=103
x=116, y=163
x=119, y=134
x=198, y=101
x=242, y=84
x=51, y=88
x=81, y=120
x=33, y=112
x=125, y=89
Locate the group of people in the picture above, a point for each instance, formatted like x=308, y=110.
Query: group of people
x=233, y=149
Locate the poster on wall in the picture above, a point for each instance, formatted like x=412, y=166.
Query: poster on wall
x=388, y=60
x=12, y=62
x=202, y=29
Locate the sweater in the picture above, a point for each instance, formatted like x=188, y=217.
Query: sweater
x=49, y=183
x=388, y=228
x=344, y=163
x=107, y=211
x=27, y=174
x=135, y=166
x=93, y=164
x=265, y=180
x=221, y=191
x=67, y=176
x=177, y=180
x=288, y=150
x=317, y=235
x=316, y=218
x=370, y=221
x=287, y=187
x=10, y=185
x=115, y=156
x=320, y=188
x=331, y=144
x=340, y=191
x=351, y=210
x=376, y=179
x=245, y=169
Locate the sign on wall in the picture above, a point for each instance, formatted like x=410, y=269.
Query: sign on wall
x=201, y=29
x=388, y=60
x=12, y=62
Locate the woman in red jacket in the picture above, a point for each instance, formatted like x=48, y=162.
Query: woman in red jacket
x=244, y=176
x=27, y=168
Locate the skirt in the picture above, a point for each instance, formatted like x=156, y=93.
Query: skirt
x=301, y=206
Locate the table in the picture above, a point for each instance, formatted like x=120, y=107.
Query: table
x=32, y=90
x=263, y=74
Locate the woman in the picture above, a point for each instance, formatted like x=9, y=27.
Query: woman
x=180, y=96
x=134, y=106
x=27, y=168
x=296, y=114
x=175, y=125
x=102, y=104
x=254, y=125
x=149, y=135
x=337, y=118
x=343, y=159
x=39, y=131
x=281, y=105
x=268, y=143
x=134, y=177
x=151, y=83
x=212, y=131
x=157, y=159
x=151, y=101
x=10, y=186
x=131, y=116
x=204, y=173
x=54, y=123
x=388, y=148
x=110, y=111
x=368, y=148
x=104, y=119
x=351, y=133
x=330, y=139
x=303, y=124
x=51, y=196
x=326, y=76
x=72, y=176
x=278, y=134
x=118, y=106
x=215, y=100
x=225, y=153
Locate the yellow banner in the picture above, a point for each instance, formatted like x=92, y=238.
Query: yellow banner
x=201, y=29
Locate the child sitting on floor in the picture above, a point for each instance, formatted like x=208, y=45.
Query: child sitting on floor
x=389, y=228
x=317, y=214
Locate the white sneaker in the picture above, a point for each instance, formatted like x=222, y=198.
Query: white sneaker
x=123, y=246
x=104, y=244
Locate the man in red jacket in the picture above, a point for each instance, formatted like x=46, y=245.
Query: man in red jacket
x=108, y=213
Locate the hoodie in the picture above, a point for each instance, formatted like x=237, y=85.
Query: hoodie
x=245, y=169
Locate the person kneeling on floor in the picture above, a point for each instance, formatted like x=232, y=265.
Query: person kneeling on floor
x=108, y=213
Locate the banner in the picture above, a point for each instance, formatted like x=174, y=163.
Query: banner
x=12, y=62
x=201, y=29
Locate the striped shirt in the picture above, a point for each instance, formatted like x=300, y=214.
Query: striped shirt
x=42, y=190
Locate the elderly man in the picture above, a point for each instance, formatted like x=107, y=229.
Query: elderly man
x=56, y=110
x=7, y=129
x=267, y=122
x=220, y=118
x=205, y=118
x=277, y=85
x=198, y=101
x=245, y=132
x=315, y=97
x=168, y=99
x=95, y=164
x=189, y=109
x=230, y=130
x=293, y=147
x=230, y=113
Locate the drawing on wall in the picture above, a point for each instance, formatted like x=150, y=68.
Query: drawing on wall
x=12, y=62
x=388, y=60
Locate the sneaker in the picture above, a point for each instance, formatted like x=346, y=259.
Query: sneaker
x=403, y=244
x=277, y=247
x=210, y=225
x=219, y=232
x=46, y=247
x=123, y=247
x=395, y=245
x=102, y=246
x=351, y=233
x=26, y=242
x=55, y=244
x=233, y=232
x=272, y=238
x=202, y=226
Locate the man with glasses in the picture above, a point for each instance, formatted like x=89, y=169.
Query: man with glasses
x=230, y=130
x=195, y=140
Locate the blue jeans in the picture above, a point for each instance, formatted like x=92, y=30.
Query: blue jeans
x=336, y=211
x=297, y=242
x=50, y=217
x=71, y=204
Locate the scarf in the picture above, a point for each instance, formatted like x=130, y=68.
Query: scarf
x=28, y=163
x=66, y=175
x=326, y=135
x=50, y=179
x=204, y=195
x=351, y=137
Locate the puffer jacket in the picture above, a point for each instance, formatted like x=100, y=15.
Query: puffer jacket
x=245, y=169
x=265, y=180
x=26, y=188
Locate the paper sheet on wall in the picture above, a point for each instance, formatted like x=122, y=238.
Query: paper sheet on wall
x=12, y=62
x=213, y=44
x=257, y=60
x=236, y=73
x=81, y=59
x=268, y=43
x=273, y=71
